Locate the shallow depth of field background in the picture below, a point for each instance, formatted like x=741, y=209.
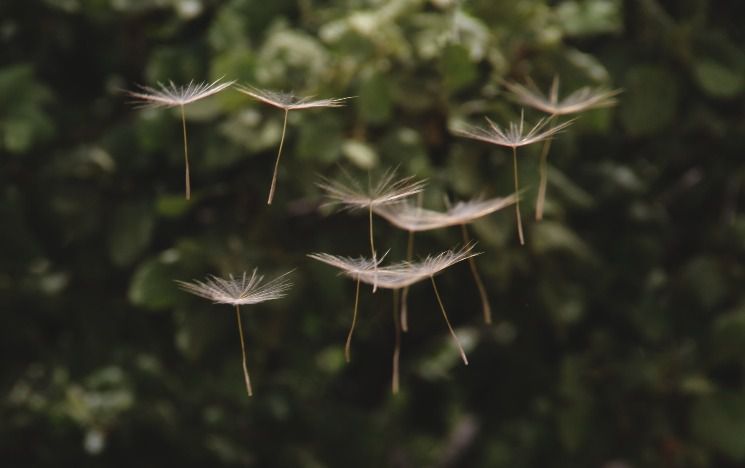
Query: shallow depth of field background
x=619, y=334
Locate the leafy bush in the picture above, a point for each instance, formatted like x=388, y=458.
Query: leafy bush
x=618, y=327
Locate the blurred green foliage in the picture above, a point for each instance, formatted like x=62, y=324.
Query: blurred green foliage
x=619, y=326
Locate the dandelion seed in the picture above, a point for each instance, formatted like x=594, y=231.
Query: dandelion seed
x=513, y=137
x=171, y=95
x=413, y=218
x=286, y=102
x=397, y=345
x=386, y=191
x=581, y=100
x=239, y=291
x=398, y=276
x=402, y=274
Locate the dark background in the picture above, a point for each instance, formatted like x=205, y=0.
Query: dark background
x=619, y=334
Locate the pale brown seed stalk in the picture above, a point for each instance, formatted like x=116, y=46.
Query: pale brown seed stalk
x=517, y=205
x=447, y=321
x=186, y=156
x=540, y=200
x=246, y=378
x=348, y=344
x=276, y=163
x=405, y=291
x=397, y=347
x=486, y=307
x=372, y=244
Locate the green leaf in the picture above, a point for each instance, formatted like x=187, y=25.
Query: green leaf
x=471, y=33
x=589, y=65
x=18, y=87
x=705, y=281
x=590, y=17
x=360, y=154
x=20, y=245
x=718, y=65
x=152, y=285
x=228, y=30
x=130, y=232
x=456, y=67
x=440, y=362
x=464, y=171
x=565, y=301
x=650, y=101
x=565, y=188
x=236, y=62
x=728, y=336
x=330, y=359
x=197, y=330
x=172, y=206
x=574, y=416
x=719, y=422
x=23, y=120
x=291, y=59
x=172, y=63
x=320, y=135
x=549, y=236
x=717, y=79
x=18, y=135
x=375, y=103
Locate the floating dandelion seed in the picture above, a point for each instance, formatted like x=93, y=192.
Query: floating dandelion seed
x=386, y=191
x=413, y=218
x=410, y=217
x=286, y=102
x=239, y=291
x=513, y=137
x=171, y=95
x=581, y=100
x=398, y=276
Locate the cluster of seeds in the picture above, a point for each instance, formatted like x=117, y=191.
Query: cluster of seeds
x=389, y=198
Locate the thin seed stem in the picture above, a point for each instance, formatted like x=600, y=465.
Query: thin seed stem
x=276, y=163
x=186, y=155
x=348, y=345
x=243, y=351
x=397, y=349
x=479, y=283
x=450, y=327
x=543, y=171
x=517, y=204
x=405, y=291
x=372, y=248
